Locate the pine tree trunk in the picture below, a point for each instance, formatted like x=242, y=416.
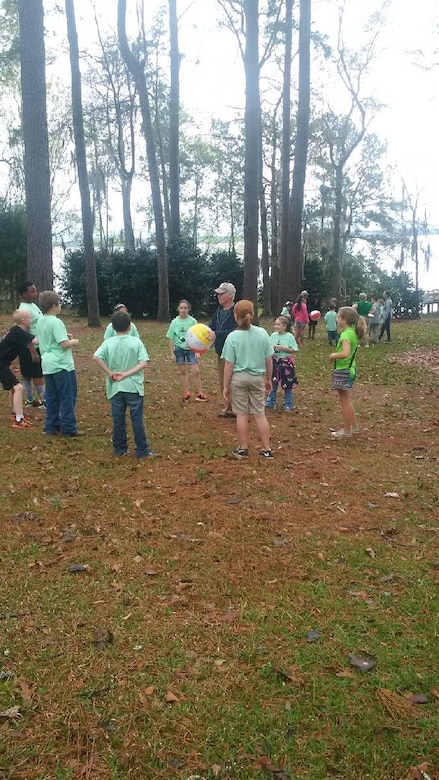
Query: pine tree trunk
x=252, y=164
x=136, y=69
x=81, y=163
x=286, y=286
x=174, y=123
x=36, y=144
x=295, y=254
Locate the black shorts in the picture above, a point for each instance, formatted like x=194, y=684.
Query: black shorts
x=29, y=369
x=8, y=378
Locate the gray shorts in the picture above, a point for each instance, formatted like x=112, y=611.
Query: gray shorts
x=248, y=393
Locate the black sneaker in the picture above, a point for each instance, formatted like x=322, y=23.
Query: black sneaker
x=266, y=453
x=240, y=453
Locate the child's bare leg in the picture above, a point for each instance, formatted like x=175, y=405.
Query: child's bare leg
x=242, y=430
x=263, y=427
x=17, y=400
x=183, y=377
x=197, y=377
x=347, y=410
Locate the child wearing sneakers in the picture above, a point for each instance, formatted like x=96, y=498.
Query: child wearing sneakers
x=58, y=368
x=123, y=358
x=17, y=339
x=284, y=374
x=247, y=353
x=180, y=352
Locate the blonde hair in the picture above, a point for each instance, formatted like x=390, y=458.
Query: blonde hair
x=351, y=318
x=19, y=314
x=244, y=312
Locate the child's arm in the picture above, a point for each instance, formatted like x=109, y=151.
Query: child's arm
x=101, y=363
x=33, y=353
x=118, y=375
x=69, y=344
x=268, y=373
x=228, y=371
x=171, y=349
x=345, y=352
x=283, y=348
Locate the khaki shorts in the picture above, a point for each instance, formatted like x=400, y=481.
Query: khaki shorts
x=248, y=393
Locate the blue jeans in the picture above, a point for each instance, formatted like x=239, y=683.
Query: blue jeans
x=332, y=336
x=119, y=404
x=271, y=399
x=61, y=393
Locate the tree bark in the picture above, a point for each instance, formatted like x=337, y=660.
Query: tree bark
x=174, y=123
x=265, y=256
x=286, y=288
x=252, y=162
x=81, y=163
x=136, y=69
x=295, y=227
x=36, y=144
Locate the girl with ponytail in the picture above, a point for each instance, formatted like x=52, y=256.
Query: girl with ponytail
x=247, y=377
x=352, y=329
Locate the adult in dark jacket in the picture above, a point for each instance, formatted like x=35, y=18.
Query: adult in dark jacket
x=222, y=323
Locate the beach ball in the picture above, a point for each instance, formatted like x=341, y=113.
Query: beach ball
x=197, y=338
x=315, y=315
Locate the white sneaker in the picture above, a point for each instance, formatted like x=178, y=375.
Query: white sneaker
x=339, y=434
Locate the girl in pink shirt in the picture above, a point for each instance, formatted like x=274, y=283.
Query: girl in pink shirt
x=301, y=319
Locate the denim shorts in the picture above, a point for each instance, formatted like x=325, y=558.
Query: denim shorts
x=182, y=355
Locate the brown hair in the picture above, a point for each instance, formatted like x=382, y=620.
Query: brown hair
x=284, y=320
x=244, y=312
x=48, y=299
x=351, y=317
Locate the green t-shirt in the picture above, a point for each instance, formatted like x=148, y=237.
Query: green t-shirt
x=120, y=354
x=347, y=335
x=36, y=313
x=248, y=350
x=331, y=320
x=50, y=333
x=110, y=332
x=363, y=308
x=284, y=339
x=177, y=330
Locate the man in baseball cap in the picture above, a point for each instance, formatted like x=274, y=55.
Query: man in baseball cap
x=226, y=287
x=222, y=323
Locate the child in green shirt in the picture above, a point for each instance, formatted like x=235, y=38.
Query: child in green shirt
x=55, y=346
x=180, y=352
x=284, y=374
x=123, y=358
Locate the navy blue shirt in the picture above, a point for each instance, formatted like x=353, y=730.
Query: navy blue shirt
x=223, y=322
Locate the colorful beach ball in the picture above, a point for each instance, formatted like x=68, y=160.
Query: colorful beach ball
x=315, y=315
x=197, y=338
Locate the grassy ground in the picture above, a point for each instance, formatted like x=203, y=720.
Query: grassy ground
x=182, y=650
